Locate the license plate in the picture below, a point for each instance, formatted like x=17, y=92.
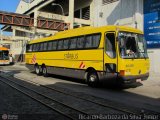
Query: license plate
x=138, y=80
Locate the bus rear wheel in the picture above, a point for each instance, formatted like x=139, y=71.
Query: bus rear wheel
x=38, y=69
x=92, y=79
x=44, y=71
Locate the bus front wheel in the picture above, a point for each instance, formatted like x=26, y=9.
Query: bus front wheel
x=92, y=79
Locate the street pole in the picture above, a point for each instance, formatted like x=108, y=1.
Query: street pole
x=53, y=4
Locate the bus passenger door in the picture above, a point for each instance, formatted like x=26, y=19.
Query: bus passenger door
x=110, y=55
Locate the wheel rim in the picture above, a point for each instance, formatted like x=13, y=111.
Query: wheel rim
x=37, y=70
x=44, y=71
x=92, y=78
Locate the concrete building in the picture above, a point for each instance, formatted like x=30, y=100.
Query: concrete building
x=80, y=13
x=6, y=41
x=119, y=12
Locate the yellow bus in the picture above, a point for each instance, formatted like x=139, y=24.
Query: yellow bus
x=4, y=56
x=91, y=53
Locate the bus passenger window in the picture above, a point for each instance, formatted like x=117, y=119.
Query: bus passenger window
x=88, y=42
x=37, y=47
x=110, y=45
x=49, y=45
x=41, y=46
x=73, y=43
x=34, y=47
x=60, y=45
x=45, y=46
x=80, y=42
x=54, y=45
x=29, y=48
x=66, y=44
x=96, y=40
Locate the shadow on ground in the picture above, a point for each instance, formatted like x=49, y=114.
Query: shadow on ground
x=107, y=84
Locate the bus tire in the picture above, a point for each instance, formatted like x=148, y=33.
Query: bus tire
x=44, y=71
x=38, y=69
x=92, y=79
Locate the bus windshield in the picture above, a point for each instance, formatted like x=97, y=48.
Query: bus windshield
x=132, y=45
x=4, y=55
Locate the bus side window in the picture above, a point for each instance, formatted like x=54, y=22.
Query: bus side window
x=80, y=42
x=34, y=47
x=60, y=44
x=73, y=42
x=45, y=46
x=29, y=48
x=50, y=45
x=96, y=40
x=110, y=45
x=88, y=42
x=54, y=45
x=66, y=44
x=41, y=46
x=37, y=47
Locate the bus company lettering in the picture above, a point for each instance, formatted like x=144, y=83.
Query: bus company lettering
x=71, y=56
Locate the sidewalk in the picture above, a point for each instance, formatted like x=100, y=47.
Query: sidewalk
x=154, y=75
x=20, y=63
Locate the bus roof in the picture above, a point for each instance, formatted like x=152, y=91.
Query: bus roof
x=86, y=30
x=3, y=48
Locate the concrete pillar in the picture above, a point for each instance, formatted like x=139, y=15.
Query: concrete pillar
x=71, y=13
x=14, y=32
x=13, y=37
x=35, y=18
x=12, y=46
x=36, y=13
x=138, y=18
x=92, y=13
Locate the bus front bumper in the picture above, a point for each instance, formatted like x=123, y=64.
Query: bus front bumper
x=122, y=79
x=132, y=79
x=4, y=63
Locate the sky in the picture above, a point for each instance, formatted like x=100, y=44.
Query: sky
x=8, y=6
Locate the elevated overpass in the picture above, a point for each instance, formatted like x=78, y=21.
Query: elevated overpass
x=15, y=19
